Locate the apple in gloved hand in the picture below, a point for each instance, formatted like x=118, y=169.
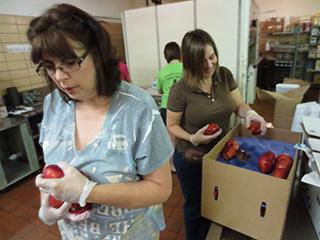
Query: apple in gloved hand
x=255, y=127
x=266, y=162
x=77, y=209
x=54, y=171
x=212, y=129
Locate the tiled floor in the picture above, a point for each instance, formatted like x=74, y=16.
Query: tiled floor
x=19, y=205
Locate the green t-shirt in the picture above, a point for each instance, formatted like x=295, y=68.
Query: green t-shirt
x=167, y=76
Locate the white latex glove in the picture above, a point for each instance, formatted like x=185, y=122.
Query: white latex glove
x=73, y=187
x=200, y=138
x=50, y=215
x=253, y=115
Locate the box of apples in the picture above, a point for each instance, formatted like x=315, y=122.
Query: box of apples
x=251, y=202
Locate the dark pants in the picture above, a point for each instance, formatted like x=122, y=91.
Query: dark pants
x=163, y=113
x=189, y=175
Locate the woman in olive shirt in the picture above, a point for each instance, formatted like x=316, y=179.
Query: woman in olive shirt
x=207, y=93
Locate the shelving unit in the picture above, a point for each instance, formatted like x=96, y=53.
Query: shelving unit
x=34, y=119
x=18, y=156
x=313, y=64
x=289, y=51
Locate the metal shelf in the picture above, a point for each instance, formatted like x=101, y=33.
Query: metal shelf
x=15, y=137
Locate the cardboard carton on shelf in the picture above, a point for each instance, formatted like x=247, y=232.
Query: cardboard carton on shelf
x=284, y=104
x=249, y=202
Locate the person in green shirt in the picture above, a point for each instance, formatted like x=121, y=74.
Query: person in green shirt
x=169, y=74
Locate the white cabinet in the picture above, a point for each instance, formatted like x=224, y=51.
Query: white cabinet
x=174, y=20
x=141, y=44
x=146, y=32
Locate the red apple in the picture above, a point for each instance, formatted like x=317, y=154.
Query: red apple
x=230, y=149
x=54, y=202
x=255, y=127
x=280, y=173
x=212, y=129
x=53, y=171
x=283, y=166
x=77, y=209
x=284, y=161
x=266, y=162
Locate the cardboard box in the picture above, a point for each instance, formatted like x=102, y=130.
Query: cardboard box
x=243, y=192
x=284, y=103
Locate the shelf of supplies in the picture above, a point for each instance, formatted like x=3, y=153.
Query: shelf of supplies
x=282, y=50
x=313, y=70
x=288, y=33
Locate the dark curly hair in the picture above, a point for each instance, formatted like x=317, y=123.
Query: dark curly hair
x=49, y=35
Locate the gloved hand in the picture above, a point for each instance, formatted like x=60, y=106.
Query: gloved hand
x=253, y=115
x=200, y=138
x=50, y=215
x=73, y=187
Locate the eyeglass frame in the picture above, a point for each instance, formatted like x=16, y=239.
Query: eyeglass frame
x=79, y=61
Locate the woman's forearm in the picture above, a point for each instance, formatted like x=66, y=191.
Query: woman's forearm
x=143, y=193
x=179, y=132
x=242, y=110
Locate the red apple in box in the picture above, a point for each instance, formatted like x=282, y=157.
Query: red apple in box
x=266, y=162
x=284, y=161
x=212, y=129
x=230, y=149
x=283, y=166
x=255, y=127
x=53, y=171
x=280, y=173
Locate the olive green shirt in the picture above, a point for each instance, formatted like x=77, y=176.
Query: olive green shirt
x=200, y=108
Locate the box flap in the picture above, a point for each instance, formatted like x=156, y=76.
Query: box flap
x=297, y=93
x=294, y=93
x=284, y=110
x=295, y=81
x=265, y=95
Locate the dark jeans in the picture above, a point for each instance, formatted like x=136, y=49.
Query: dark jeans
x=189, y=175
x=163, y=113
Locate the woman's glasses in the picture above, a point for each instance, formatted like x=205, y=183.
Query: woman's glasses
x=67, y=66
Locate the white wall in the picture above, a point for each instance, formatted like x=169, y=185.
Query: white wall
x=102, y=8
x=113, y=8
